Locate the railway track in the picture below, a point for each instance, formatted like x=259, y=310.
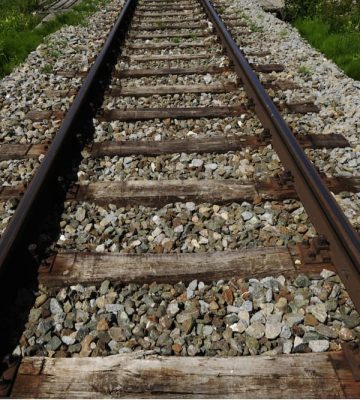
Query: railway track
x=164, y=68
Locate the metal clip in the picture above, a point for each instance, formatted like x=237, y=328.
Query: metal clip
x=265, y=135
x=315, y=252
x=285, y=179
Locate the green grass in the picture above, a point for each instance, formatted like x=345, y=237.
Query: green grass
x=303, y=69
x=18, y=36
x=343, y=48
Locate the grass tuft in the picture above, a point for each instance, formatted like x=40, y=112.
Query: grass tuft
x=18, y=36
x=342, y=48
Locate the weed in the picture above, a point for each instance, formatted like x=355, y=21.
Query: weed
x=255, y=28
x=176, y=39
x=284, y=33
x=342, y=48
x=303, y=69
x=18, y=36
x=47, y=69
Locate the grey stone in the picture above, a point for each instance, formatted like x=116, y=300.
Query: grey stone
x=74, y=348
x=246, y=215
x=287, y=346
x=53, y=344
x=292, y=319
x=256, y=330
x=273, y=330
x=104, y=287
x=302, y=281
x=208, y=330
x=285, y=332
x=68, y=340
x=35, y=314
x=55, y=307
x=173, y=308
x=325, y=273
x=351, y=321
x=247, y=306
x=318, y=346
x=114, y=308
x=327, y=331
x=318, y=311
x=272, y=5
x=119, y=334
x=164, y=340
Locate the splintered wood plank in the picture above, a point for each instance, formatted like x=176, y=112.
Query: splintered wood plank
x=164, y=45
x=139, y=375
x=139, y=73
x=172, y=26
x=21, y=151
x=216, y=144
x=165, y=14
x=302, y=108
x=146, y=91
x=280, y=84
x=168, y=35
x=165, y=8
x=11, y=192
x=330, y=141
x=157, y=193
x=171, y=57
x=92, y=268
x=267, y=68
x=143, y=114
x=183, y=18
x=43, y=115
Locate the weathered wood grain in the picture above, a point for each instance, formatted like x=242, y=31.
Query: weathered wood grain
x=267, y=68
x=168, y=35
x=148, y=376
x=154, y=90
x=143, y=114
x=164, y=45
x=161, y=27
x=139, y=73
x=171, y=57
x=42, y=115
x=90, y=268
x=216, y=144
x=164, y=14
x=12, y=192
x=302, y=108
x=164, y=20
x=158, y=193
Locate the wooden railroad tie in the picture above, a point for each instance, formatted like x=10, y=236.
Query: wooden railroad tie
x=157, y=193
x=216, y=144
x=314, y=375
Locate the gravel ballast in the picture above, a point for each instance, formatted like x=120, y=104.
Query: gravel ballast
x=268, y=316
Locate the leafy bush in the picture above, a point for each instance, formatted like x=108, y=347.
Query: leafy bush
x=332, y=26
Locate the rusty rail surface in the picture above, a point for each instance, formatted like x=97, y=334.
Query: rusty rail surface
x=324, y=212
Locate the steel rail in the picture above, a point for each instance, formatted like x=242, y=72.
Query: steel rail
x=324, y=212
x=30, y=210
